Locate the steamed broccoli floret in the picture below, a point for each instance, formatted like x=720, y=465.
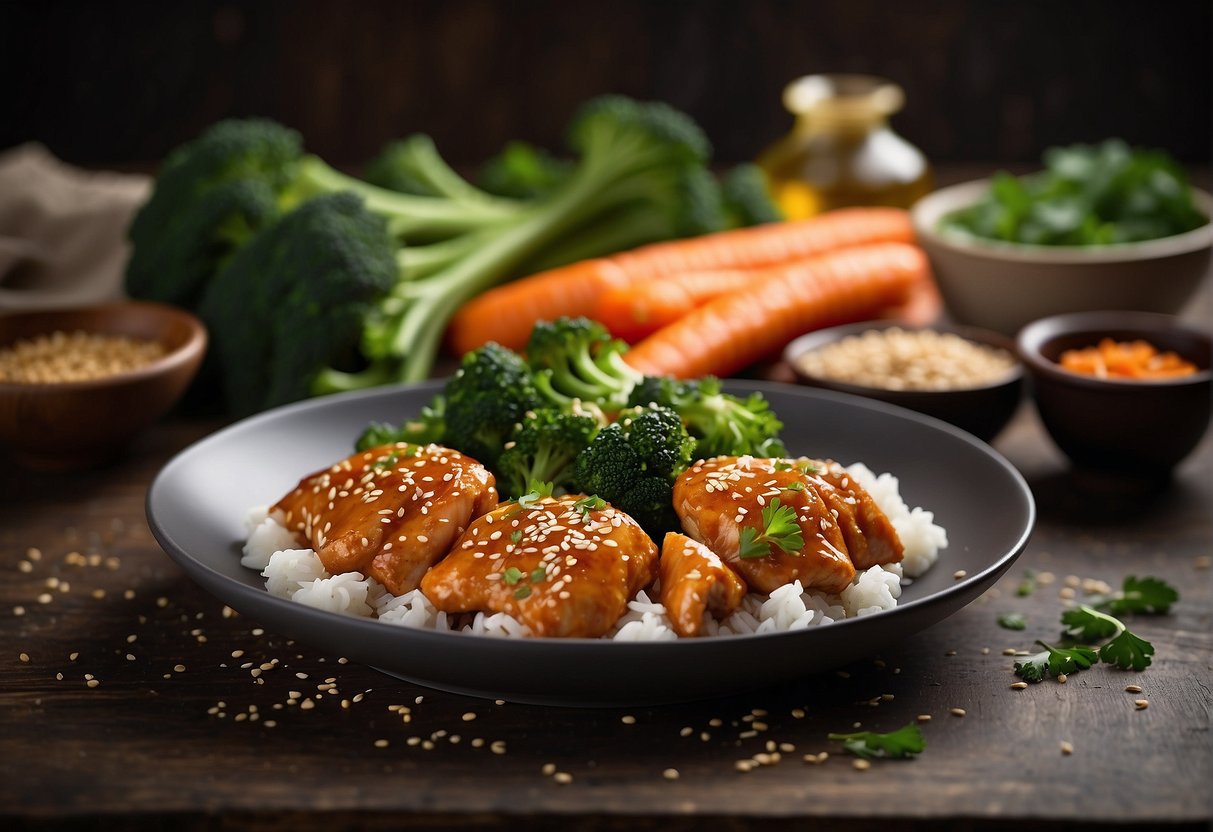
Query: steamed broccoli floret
x=542, y=448
x=490, y=393
x=428, y=428
x=722, y=424
x=633, y=462
x=747, y=197
x=294, y=299
x=576, y=359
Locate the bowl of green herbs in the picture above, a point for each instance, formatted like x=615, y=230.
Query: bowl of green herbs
x=1101, y=226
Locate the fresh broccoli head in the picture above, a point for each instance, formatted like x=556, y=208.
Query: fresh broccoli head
x=633, y=462
x=490, y=393
x=747, y=197
x=722, y=424
x=523, y=171
x=542, y=448
x=292, y=302
x=575, y=359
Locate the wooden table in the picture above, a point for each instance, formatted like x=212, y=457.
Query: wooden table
x=131, y=699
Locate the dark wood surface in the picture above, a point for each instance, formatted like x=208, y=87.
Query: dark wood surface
x=167, y=739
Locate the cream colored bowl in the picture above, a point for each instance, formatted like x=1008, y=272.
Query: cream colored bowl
x=1004, y=286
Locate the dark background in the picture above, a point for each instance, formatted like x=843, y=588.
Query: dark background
x=121, y=83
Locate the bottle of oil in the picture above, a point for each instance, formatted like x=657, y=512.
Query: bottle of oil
x=841, y=150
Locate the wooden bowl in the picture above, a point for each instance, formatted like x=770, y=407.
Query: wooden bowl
x=63, y=425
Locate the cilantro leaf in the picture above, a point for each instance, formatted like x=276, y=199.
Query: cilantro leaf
x=1127, y=652
x=1087, y=625
x=1149, y=596
x=512, y=575
x=1054, y=661
x=896, y=745
x=1012, y=621
x=536, y=491
x=587, y=504
x=779, y=528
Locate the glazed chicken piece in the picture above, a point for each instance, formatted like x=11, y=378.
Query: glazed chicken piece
x=389, y=512
x=870, y=536
x=716, y=498
x=694, y=580
x=560, y=566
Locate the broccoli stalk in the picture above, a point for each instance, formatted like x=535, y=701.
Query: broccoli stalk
x=242, y=180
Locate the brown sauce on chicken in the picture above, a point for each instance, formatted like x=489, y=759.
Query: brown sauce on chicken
x=694, y=580
x=390, y=512
x=560, y=568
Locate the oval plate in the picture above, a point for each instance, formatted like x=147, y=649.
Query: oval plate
x=197, y=504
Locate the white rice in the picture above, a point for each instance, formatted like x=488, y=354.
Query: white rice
x=299, y=575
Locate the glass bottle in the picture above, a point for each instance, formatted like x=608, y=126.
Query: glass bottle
x=841, y=150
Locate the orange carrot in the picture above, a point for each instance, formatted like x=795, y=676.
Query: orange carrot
x=735, y=330
x=635, y=311
x=507, y=314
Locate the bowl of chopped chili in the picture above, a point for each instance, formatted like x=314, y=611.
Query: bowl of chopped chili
x=1123, y=394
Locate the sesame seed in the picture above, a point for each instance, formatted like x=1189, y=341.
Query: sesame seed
x=381, y=743
x=24, y=657
x=628, y=719
x=1018, y=685
x=563, y=778
x=1141, y=704
x=670, y=774
x=92, y=683
x=1061, y=678
x=469, y=716
x=548, y=769
x=860, y=765
x=957, y=712
x=178, y=668
x=1132, y=688
x=959, y=573
x=1066, y=748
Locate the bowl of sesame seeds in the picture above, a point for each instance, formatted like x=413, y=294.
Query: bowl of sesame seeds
x=971, y=378
x=78, y=385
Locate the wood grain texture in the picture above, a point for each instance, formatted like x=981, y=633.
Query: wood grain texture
x=167, y=738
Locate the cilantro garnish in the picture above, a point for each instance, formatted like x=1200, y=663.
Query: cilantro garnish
x=1126, y=650
x=895, y=745
x=1012, y=621
x=516, y=535
x=387, y=460
x=536, y=491
x=796, y=486
x=512, y=575
x=779, y=528
x=539, y=573
x=522, y=592
x=1149, y=596
x=1055, y=661
x=587, y=504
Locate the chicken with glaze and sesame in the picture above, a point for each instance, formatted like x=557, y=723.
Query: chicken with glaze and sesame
x=563, y=566
x=389, y=512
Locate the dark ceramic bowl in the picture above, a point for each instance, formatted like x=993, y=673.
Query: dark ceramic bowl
x=982, y=411
x=69, y=424
x=1137, y=430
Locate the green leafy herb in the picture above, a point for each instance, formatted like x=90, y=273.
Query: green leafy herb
x=808, y=467
x=587, y=504
x=512, y=575
x=1012, y=621
x=1086, y=195
x=1028, y=585
x=796, y=486
x=896, y=745
x=1148, y=596
x=779, y=528
x=1054, y=661
x=1126, y=650
x=516, y=535
x=523, y=591
x=387, y=461
x=783, y=465
x=536, y=491
x=538, y=574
